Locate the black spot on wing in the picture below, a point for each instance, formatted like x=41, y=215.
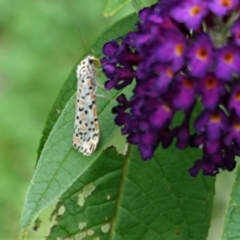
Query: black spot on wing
x=95, y=135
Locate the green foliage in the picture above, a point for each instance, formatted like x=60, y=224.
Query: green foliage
x=112, y=6
x=137, y=4
x=232, y=218
x=121, y=197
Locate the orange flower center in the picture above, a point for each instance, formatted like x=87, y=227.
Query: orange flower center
x=187, y=83
x=236, y=126
x=228, y=58
x=195, y=10
x=226, y=3
x=179, y=49
x=202, y=54
x=237, y=96
x=215, y=117
x=210, y=83
x=169, y=72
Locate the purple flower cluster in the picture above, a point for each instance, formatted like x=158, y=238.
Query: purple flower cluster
x=183, y=53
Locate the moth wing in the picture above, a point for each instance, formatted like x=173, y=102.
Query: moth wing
x=86, y=127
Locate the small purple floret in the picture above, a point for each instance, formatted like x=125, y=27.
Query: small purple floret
x=234, y=102
x=220, y=7
x=190, y=12
x=211, y=89
x=228, y=62
x=200, y=56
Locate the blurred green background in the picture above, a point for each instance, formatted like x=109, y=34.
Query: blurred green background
x=39, y=45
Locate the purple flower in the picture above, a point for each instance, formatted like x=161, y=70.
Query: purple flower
x=222, y=7
x=200, y=55
x=171, y=49
x=211, y=89
x=210, y=163
x=185, y=92
x=176, y=58
x=228, y=62
x=190, y=12
x=234, y=102
x=164, y=76
x=213, y=124
x=233, y=135
x=160, y=115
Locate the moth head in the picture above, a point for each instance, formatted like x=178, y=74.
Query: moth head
x=94, y=61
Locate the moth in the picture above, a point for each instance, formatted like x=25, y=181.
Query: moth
x=86, y=127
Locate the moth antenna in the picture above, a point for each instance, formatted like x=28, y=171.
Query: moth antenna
x=82, y=41
x=81, y=38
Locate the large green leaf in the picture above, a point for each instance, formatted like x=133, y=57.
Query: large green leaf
x=138, y=5
x=122, y=197
x=59, y=164
x=112, y=6
x=232, y=218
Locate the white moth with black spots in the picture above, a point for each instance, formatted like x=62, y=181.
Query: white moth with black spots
x=86, y=128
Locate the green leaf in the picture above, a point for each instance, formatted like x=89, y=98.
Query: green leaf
x=232, y=218
x=59, y=164
x=137, y=4
x=122, y=197
x=112, y=6
x=120, y=28
x=66, y=92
